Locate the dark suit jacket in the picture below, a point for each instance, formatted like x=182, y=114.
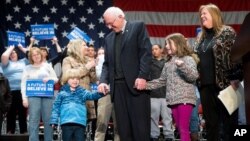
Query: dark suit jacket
x=241, y=51
x=135, y=56
x=241, y=46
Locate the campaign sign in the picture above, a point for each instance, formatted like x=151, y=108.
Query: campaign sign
x=198, y=30
x=43, y=31
x=93, y=87
x=39, y=89
x=14, y=38
x=77, y=33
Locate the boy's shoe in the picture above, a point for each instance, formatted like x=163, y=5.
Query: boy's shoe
x=153, y=139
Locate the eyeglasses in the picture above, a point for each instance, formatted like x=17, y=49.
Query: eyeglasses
x=100, y=53
x=109, y=25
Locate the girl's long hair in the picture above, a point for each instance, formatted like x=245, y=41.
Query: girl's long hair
x=182, y=46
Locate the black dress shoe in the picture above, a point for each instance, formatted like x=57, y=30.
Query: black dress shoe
x=153, y=139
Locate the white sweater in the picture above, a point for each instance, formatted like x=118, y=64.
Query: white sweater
x=37, y=72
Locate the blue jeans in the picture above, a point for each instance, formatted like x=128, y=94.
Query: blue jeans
x=73, y=132
x=40, y=107
x=194, y=121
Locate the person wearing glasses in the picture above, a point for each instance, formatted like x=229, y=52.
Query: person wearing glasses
x=126, y=69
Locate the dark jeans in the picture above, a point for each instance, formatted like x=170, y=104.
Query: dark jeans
x=17, y=108
x=73, y=132
x=1, y=121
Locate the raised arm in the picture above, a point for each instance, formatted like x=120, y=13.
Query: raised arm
x=58, y=57
x=58, y=47
x=23, y=49
x=6, y=55
x=32, y=41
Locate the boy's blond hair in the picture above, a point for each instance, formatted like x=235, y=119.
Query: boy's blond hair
x=70, y=73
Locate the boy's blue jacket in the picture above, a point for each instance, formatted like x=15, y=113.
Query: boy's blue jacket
x=69, y=106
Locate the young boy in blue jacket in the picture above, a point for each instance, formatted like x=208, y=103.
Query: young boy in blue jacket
x=69, y=107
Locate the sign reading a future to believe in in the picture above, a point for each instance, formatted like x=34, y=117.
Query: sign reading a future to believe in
x=39, y=88
x=15, y=38
x=43, y=31
x=77, y=33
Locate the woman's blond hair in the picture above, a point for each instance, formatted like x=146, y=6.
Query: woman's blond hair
x=32, y=51
x=182, y=46
x=217, y=19
x=70, y=73
x=75, y=49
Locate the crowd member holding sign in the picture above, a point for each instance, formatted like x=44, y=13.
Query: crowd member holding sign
x=216, y=71
x=70, y=108
x=45, y=52
x=13, y=69
x=38, y=106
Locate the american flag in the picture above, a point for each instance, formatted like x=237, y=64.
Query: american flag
x=19, y=15
x=161, y=17
x=164, y=17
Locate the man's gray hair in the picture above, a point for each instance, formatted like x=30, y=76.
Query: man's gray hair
x=115, y=11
